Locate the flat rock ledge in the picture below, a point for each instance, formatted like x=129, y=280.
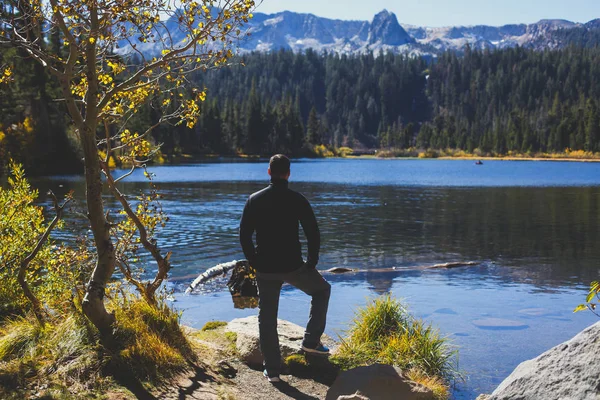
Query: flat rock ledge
x=248, y=346
x=568, y=371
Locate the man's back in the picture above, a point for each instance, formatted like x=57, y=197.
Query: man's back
x=275, y=214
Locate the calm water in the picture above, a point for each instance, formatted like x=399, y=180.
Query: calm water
x=532, y=225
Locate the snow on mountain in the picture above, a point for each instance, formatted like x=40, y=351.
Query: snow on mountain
x=298, y=32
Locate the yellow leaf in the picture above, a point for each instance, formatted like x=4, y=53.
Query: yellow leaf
x=580, y=307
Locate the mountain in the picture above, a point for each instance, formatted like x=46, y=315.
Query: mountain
x=298, y=32
x=386, y=30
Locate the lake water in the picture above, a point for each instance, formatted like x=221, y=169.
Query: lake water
x=533, y=226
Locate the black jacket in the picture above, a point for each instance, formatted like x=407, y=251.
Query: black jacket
x=274, y=213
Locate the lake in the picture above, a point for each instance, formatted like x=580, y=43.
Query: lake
x=532, y=226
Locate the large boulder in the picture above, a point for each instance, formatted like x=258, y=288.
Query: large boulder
x=248, y=346
x=378, y=381
x=570, y=370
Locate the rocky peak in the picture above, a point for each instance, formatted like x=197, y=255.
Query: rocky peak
x=593, y=24
x=556, y=23
x=386, y=29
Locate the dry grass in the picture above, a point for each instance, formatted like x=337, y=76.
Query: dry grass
x=153, y=346
x=63, y=359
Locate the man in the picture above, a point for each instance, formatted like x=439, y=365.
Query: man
x=274, y=213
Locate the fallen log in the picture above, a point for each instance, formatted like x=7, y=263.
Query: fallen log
x=221, y=269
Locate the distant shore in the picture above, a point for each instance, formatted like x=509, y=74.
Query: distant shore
x=507, y=158
x=410, y=154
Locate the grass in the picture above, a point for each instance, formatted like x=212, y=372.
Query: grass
x=65, y=354
x=211, y=325
x=216, y=335
x=384, y=332
x=152, y=345
x=298, y=365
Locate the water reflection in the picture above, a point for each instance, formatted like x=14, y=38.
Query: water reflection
x=545, y=236
x=536, y=246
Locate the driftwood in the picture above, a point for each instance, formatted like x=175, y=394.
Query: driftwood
x=453, y=265
x=342, y=270
x=221, y=269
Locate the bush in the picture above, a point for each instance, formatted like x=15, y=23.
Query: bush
x=344, y=152
x=428, y=154
x=54, y=272
x=384, y=332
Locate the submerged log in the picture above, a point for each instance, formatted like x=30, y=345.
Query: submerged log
x=243, y=266
x=454, y=265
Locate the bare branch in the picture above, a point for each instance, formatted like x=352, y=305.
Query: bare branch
x=119, y=179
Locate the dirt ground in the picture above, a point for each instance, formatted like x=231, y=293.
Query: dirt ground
x=224, y=377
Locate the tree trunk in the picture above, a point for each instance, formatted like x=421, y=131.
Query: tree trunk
x=93, y=302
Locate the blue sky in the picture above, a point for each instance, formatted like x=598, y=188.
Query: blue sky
x=444, y=12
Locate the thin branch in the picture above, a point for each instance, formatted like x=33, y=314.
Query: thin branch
x=37, y=306
x=163, y=262
x=119, y=179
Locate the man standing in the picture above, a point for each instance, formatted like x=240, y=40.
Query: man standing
x=275, y=213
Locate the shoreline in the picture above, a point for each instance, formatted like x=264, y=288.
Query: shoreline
x=555, y=157
x=507, y=158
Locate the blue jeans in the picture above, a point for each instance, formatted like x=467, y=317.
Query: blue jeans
x=311, y=282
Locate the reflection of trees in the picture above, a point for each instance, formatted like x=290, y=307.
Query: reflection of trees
x=550, y=231
x=542, y=235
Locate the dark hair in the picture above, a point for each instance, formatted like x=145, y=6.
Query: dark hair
x=279, y=165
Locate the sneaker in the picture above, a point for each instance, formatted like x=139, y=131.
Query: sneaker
x=320, y=349
x=272, y=379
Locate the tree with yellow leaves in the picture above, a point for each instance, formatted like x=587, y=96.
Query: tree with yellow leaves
x=102, y=90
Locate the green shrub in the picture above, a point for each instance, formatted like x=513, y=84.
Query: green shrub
x=384, y=332
x=56, y=269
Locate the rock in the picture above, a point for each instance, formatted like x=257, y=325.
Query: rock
x=378, y=381
x=247, y=343
x=339, y=270
x=570, y=370
x=483, y=397
x=356, y=396
x=499, y=324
